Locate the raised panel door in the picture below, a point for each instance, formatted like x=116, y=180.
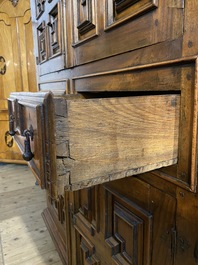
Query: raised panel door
x=136, y=225
x=17, y=65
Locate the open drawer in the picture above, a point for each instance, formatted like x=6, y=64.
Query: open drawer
x=103, y=139
x=78, y=142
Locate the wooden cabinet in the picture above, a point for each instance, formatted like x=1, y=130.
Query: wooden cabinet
x=115, y=139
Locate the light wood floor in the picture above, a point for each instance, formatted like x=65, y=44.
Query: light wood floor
x=24, y=239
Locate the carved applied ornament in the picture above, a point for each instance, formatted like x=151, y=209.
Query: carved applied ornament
x=2, y=65
x=121, y=5
x=14, y=2
x=85, y=17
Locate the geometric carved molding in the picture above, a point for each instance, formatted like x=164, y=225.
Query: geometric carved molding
x=54, y=31
x=42, y=38
x=87, y=203
x=84, y=20
x=85, y=250
x=40, y=7
x=59, y=204
x=121, y=5
x=133, y=231
x=128, y=231
x=119, y=11
x=87, y=215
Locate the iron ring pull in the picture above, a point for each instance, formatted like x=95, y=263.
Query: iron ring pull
x=11, y=132
x=28, y=155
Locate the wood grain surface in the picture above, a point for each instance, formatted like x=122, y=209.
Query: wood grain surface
x=111, y=138
x=24, y=239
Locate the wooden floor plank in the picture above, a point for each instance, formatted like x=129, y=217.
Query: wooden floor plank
x=24, y=239
x=1, y=252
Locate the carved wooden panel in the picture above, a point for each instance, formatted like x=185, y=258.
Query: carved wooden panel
x=137, y=24
x=84, y=20
x=85, y=251
x=40, y=7
x=87, y=203
x=128, y=231
x=42, y=42
x=54, y=27
x=60, y=207
x=17, y=64
x=118, y=11
x=121, y=5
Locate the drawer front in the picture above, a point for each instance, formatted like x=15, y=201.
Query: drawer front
x=31, y=125
x=31, y=118
x=112, y=138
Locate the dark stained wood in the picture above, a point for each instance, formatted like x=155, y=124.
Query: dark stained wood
x=186, y=223
x=116, y=142
x=151, y=23
x=32, y=112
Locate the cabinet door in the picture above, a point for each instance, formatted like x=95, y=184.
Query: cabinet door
x=48, y=27
x=17, y=65
x=187, y=234
x=107, y=28
x=135, y=225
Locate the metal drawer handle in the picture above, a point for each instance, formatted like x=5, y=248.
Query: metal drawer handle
x=11, y=125
x=9, y=141
x=28, y=155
